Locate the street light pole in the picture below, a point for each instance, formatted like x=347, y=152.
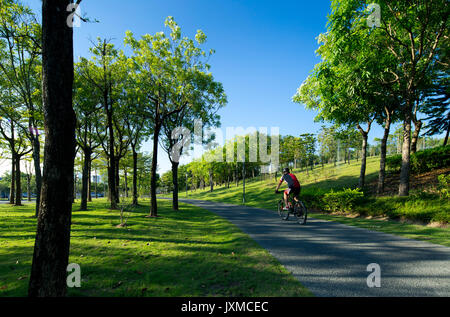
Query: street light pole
x=243, y=182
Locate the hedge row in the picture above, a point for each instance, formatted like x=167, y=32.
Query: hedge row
x=334, y=201
x=422, y=161
x=421, y=207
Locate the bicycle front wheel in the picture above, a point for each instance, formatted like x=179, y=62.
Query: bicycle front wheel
x=284, y=214
x=301, y=213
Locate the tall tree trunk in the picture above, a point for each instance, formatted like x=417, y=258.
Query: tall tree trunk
x=448, y=131
x=135, y=193
x=403, y=189
x=417, y=126
x=383, y=151
x=96, y=184
x=126, y=181
x=154, y=206
x=211, y=183
x=365, y=135
x=89, y=181
x=74, y=188
x=12, y=189
x=29, y=187
x=243, y=182
x=175, y=185
x=37, y=172
x=85, y=179
x=107, y=186
x=18, y=200
x=362, y=175
x=117, y=169
x=51, y=249
x=112, y=185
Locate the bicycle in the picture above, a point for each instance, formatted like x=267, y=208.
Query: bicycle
x=296, y=208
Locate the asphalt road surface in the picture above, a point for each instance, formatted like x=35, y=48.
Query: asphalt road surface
x=331, y=259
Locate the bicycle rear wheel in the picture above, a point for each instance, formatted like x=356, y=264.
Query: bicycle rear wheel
x=301, y=213
x=284, y=214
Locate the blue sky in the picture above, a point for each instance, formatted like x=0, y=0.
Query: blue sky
x=264, y=50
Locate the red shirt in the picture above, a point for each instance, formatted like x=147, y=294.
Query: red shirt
x=290, y=180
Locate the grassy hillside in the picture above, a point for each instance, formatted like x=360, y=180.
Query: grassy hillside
x=260, y=191
x=422, y=206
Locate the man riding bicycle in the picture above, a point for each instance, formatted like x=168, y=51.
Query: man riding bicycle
x=293, y=186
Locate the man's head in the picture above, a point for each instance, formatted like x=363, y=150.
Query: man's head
x=286, y=171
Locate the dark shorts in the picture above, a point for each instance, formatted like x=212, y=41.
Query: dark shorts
x=293, y=190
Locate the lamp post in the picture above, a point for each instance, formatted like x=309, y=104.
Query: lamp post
x=186, y=185
x=243, y=182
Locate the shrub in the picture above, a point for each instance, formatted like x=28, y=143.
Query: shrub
x=343, y=201
x=313, y=197
x=442, y=217
x=423, y=207
x=444, y=185
x=394, y=163
x=422, y=161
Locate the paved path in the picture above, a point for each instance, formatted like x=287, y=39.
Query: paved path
x=331, y=259
x=6, y=202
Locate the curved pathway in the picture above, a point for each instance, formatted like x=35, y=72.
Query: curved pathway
x=331, y=259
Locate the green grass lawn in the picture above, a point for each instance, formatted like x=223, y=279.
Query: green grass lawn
x=260, y=193
x=188, y=253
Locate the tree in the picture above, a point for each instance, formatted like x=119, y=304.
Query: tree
x=291, y=150
x=348, y=137
x=88, y=123
x=205, y=99
x=437, y=106
x=138, y=128
x=137, y=133
x=388, y=117
x=308, y=142
x=172, y=77
x=106, y=73
x=328, y=145
x=414, y=35
x=51, y=249
x=20, y=62
x=18, y=148
x=342, y=87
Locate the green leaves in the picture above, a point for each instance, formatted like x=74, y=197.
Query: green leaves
x=342, y=201
x=174, y=79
